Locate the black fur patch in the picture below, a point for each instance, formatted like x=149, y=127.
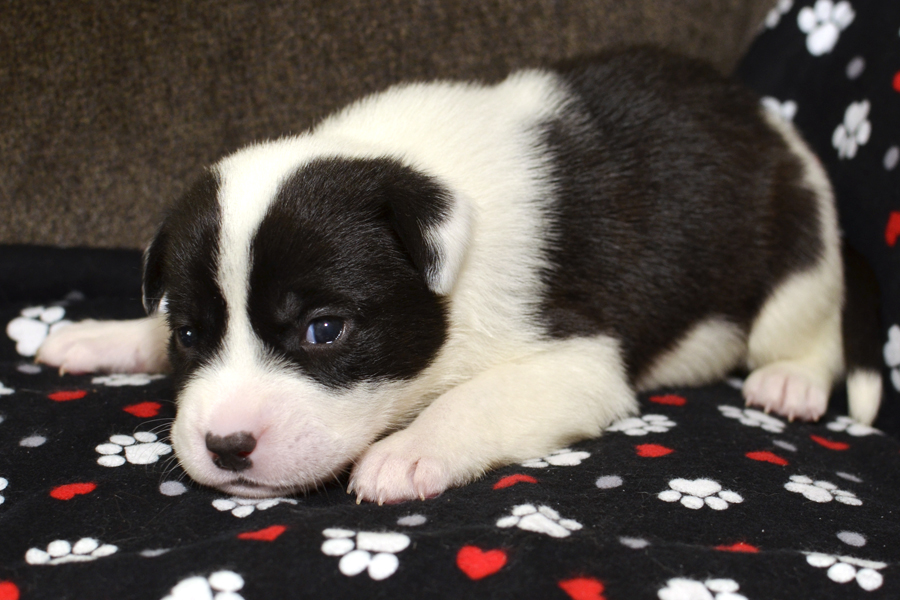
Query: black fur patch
x=674, y=202
x=344, y=238
x=182, y=264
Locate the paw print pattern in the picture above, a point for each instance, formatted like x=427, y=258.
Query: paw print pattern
x=783, y=110
x=753, y=418
x=643, y=425
x=892, y=355
x=33, y=325
x=541, y=519
x=146, y=452
x=3, y=484
x=779, y=10
x=221, y=585
x=561, y=458
x=848, y=425
x=854, y=131
x=5, y=391
x=823, y=23
x=682, y=588
x=61, y=551
x=697, y=493
x=244, y=507
x=820, y=491
x=365, y=551
x=123, y=379
x=844, y=569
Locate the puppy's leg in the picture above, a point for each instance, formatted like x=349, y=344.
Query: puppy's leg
x=795, y=346
x=508, y=413
x=136, y=346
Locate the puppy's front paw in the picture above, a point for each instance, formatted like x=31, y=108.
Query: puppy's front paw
x=403, y=467
x=115, y=346
x=787, y=390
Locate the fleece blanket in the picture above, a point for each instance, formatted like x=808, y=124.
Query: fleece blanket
x=699, y=498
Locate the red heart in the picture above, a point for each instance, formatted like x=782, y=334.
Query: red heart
x=583, y=588
x=897, y=81
x=66, y=395
x=669, y=400
x=829, y=444
x=652, y=450
x=69, y=491
x=892, y=232
x=144, y=409
x=739, y=547
x=477, y=563
x=269, y=534
x=511, y=480
x=8, y=591
x=766, y=456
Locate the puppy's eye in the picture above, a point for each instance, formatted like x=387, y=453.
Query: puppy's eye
x=187, y=336
x=324, y=330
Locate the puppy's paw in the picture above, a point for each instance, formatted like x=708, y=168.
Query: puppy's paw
x=111, y=346
x=402, y=467
x=787, y=389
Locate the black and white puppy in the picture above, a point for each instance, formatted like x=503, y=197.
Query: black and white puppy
x=447, y=277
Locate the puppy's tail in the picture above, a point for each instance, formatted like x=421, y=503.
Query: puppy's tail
x=862, y=337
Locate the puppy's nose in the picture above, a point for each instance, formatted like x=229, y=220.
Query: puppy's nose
x=231, y=452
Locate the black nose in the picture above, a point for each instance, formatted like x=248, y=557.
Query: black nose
x=231, y=452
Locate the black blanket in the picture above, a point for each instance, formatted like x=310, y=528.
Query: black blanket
x=699, y=498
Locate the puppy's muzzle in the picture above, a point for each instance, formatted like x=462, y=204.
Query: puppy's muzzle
x=231, y=452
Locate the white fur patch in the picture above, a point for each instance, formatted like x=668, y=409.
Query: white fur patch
x=705, y=354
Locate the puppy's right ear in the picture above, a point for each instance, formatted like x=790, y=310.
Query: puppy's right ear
x=153, y=286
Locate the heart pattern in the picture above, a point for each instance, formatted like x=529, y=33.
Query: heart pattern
x=766, y=456
x=69, y=491
x=145, y=410
x=67, y=395
x=269, y=534
x=830, y=444
x=477, y=563
x=652, y=450
x=583, y=588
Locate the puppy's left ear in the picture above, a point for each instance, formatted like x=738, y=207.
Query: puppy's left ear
x=153, y=286
x=435, y=225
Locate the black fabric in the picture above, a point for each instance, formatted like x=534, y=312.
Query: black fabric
x=623, y=529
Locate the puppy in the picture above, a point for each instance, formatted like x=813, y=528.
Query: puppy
x=447, y=277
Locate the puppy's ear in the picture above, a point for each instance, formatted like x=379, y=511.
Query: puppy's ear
x=153, y=286
x=435, y=226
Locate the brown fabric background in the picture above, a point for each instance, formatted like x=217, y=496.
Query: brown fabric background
x=108, y=110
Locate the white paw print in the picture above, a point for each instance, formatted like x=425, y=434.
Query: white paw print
x=784, y=110
x=682, y=588
x=823, y=24
x=844, y=423
x=643, y=425
x=123, y=379
x=542, y=519
x=892, y=355
x=753, y=418
x=697, y=493
x=774, y=16
x=30, y=329
x=3, y=484
x=146, y=452
x=221, y=585
x=372, y=552
x=61, y=551
x=5, y=391
x=854, y=131
x=843, y=569
x=820, y=491
x=244, y=507
x=561, y=458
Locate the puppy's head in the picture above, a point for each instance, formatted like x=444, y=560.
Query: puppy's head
x=303, y=297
